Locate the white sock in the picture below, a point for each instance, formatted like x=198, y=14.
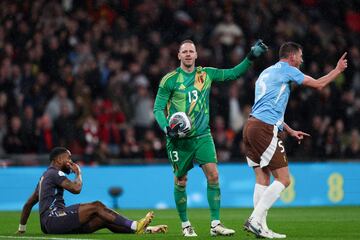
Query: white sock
x=134, y=225
x=263, y=221
x=185, y=224
x=258, y=192
x=269, y=197
x=214, y=223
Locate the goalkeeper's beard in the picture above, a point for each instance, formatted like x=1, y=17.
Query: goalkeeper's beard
x=188, y=65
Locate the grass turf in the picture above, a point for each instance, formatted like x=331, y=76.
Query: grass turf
x=308, y=223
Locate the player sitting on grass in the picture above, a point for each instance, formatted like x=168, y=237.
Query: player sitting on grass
x=56, y=218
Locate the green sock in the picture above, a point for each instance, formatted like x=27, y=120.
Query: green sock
x=213, y=195
x=181, y=202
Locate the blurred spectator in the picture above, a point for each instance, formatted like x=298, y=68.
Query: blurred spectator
x=353, y=148
x=143, y=104
x=227, y=32
x=53, y=108
x=3, y=131
x=236, y=119
x=90, y=131
x=223, y=139
x=29, y=127
x=60, y=59
x=14, y=140
x=65, y=127
x=130, y=147
x=46, y=134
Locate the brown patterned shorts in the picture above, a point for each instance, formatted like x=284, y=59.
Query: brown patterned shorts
x=263, y=145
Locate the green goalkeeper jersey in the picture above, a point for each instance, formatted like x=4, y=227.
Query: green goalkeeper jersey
x=180, y=91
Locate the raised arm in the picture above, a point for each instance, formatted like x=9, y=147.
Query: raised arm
x=258, y=49
x=33, y=199
x=325, y=80
x=76, y=185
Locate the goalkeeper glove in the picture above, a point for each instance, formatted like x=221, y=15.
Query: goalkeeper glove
x=258, y=49
x=172, y=132
x=175, y=132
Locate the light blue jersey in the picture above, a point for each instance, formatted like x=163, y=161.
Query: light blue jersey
x=272, y=90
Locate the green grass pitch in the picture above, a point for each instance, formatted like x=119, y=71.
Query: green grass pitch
x=308, y=223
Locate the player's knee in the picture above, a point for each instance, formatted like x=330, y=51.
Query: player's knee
x=213, y=177
x=181, y=181
x=263, y=180
x=285, y=181
x=98, y=205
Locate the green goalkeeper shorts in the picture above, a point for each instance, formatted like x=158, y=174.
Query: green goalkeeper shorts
x=183, y=151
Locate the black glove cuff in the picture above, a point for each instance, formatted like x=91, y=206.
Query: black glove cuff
x=251, y=56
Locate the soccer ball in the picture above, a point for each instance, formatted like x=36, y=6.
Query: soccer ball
x=182, y=119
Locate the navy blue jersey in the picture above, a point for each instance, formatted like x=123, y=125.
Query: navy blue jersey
x=51, y=194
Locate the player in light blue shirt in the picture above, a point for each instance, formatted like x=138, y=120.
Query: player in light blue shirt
x=272, y=90
x=264, y=150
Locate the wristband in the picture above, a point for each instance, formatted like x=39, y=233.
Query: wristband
x=22, y=228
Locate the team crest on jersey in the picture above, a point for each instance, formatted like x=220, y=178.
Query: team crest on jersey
x=61, y=173
x=201, y=77
x=200, y=80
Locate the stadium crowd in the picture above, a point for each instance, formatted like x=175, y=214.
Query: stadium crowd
x=83, y=74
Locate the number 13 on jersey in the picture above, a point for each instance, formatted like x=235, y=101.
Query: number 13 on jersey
x=174, y=156
x=192, y=96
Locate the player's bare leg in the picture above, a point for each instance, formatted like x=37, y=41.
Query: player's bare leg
x=90, y=210
x=262, y=175
x=282, y=175
x=213, y=195
x=97, y=223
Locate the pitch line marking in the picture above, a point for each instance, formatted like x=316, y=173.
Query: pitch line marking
x=49, y=238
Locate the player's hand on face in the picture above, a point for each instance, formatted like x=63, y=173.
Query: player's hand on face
x=75, y=168
x=258, y=49
x=342, y=63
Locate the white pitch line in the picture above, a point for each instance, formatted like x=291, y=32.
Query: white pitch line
x=47, y=238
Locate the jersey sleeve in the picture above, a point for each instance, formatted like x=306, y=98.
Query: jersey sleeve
x=296, y=75
x=162, y=98
x=37, y=187
x=219, y=75
x=58, y=177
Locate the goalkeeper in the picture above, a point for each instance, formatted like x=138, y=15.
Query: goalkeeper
x=187, y=90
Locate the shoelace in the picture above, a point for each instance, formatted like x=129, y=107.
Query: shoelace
x=220, y=224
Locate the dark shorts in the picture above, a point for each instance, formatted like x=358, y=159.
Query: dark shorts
x=62, y=221
x=263, y=145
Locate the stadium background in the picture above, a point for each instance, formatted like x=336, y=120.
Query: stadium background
x=83, y=74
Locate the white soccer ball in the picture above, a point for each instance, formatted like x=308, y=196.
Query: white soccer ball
x=184, y=121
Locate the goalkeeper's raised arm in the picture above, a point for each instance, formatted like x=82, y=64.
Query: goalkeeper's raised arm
x=257, y=50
